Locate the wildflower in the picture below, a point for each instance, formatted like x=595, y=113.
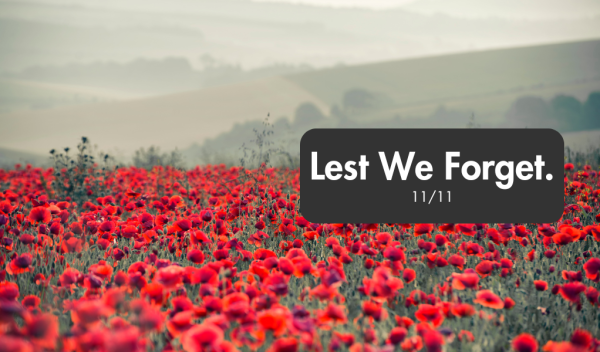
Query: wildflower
x=397, y=335
x=409, y=275
x=20, y=264
x=488, y=299
x=430, y=314
x=40, y=215
x=464, y=281
x=571, y=291
x=195, y=256
x=9, y=291
x=540, y=285
x=202, y=338
x=525, y=343
x=592, y=269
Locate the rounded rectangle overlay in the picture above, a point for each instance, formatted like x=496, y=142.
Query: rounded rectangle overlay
x=432, y=175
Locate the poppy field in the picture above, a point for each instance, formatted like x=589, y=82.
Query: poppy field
x=220, y=259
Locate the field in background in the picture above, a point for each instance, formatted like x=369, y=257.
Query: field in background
x=19, y=95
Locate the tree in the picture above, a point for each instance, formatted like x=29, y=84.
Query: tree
x=357, y=99
x=530, y=111
x=152, y=157
x=307, y=115
x=591, y=110
x=568, y=112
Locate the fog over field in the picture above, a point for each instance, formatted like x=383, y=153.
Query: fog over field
x=188, y=74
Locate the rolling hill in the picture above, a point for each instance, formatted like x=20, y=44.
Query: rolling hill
x=482, y=83
x=168, y=121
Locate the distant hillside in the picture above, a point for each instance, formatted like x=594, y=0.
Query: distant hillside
x=412, y=93
x=168, y=121
x=19, y=95
x=483, y=82
x=9, y=157
x=529, y=9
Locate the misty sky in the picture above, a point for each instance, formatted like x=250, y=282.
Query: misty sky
x=516, y=9
x=373, y=4
x=104, y=68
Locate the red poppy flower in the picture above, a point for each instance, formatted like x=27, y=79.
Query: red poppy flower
x=333, y=313
x=88, y=313
x=572, y=275
x=525, y=343
x=42, y=330
x=182, y=225
x=488, y=299
x=170, y=277
x=562, y=239
x=284, y=344
x=276, y=283
x=508, y=303
x=236, y=305
x=397, y=335
x=571, y=291
x=275, y=319
x=540, y=285
x=155, y=293
x=40, y=214
x=414, y=343
x=374, y=310
x=592, y=269
x=72, y=245
x=462, y=310
x=485, y=268
x=9, y=291
x=409, y=275
x=430, y=314
x=31, y=302
x=383, y=285
x=457, y=261
x=107, y=226
x=422, y=229
x=394, y=254
x=195, y=256
x=464, y=281
x=433, y=340
x=593, y=295
x=20, y=264
x=101, y=270
x=202, y=338
x=467, y=229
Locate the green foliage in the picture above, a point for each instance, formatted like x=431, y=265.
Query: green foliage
x=151, y=157
x=78, y=176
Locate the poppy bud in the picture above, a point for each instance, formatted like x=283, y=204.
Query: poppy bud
x=552, y=268
x=555, y=289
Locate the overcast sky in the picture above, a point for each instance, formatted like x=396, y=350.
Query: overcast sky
x=514, y=9
x=374, y=4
